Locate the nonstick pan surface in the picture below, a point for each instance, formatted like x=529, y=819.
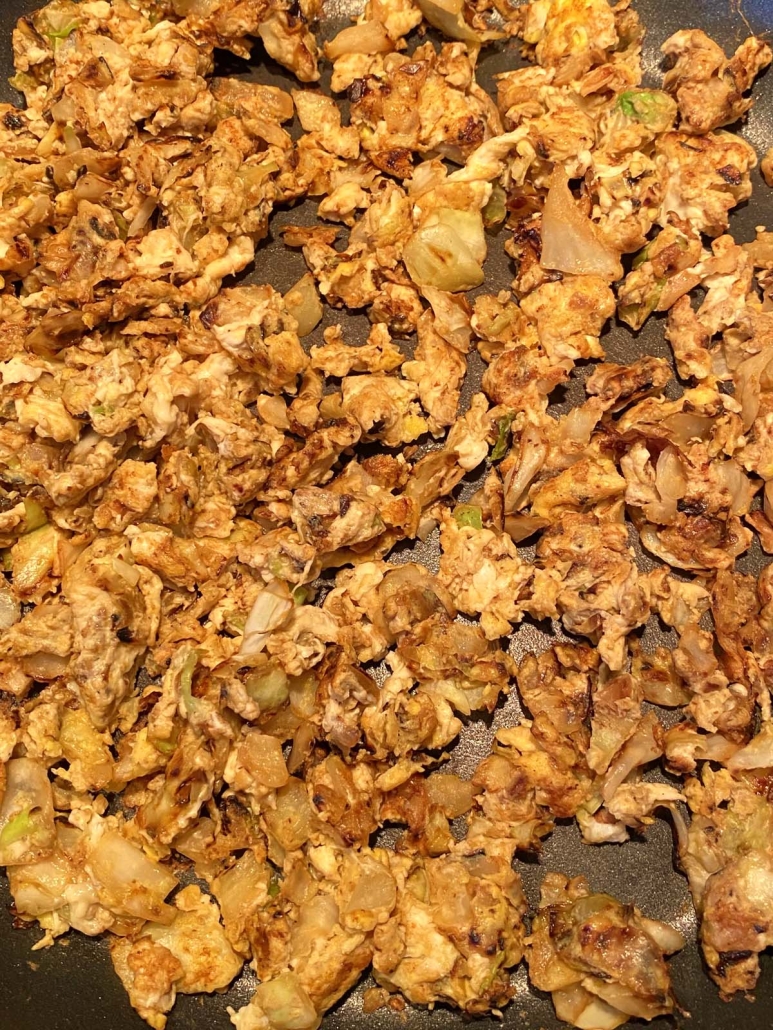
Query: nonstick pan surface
x=72, y=986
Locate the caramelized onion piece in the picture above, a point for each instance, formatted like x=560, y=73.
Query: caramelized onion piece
x=570, y=241
x=370, y=37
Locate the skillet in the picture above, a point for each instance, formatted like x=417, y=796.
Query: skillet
x=72, y=986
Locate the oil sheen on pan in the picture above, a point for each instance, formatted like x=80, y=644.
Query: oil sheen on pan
x=73, y=984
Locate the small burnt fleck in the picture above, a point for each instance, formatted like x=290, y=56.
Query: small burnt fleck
x=208, y=315
x=471, y=132
x=398, y=161
x=586, y=934
x=103, y=231
x=357, y=91
x=730, y=174
x=691, y=507
x=13, y=121
x=731, y=958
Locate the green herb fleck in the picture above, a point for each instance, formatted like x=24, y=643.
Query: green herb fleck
x=469, y=515
x=654, y=109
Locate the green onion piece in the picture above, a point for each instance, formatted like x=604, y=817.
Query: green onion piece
x=498, y=963
x=278, y=567
x=22, y=82
x=469, y=515
x=654, y=109
x=500, y=323
x=635, y=315
x=35, y=515
x=642, y=256
x=233, y=622
x=63, y=32
x=123, y=225
x=495, y=211
x=500, y=447
x=15, y=829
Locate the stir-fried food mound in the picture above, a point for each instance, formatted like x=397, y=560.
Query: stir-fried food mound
x=217, y=656
x=602, y=961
